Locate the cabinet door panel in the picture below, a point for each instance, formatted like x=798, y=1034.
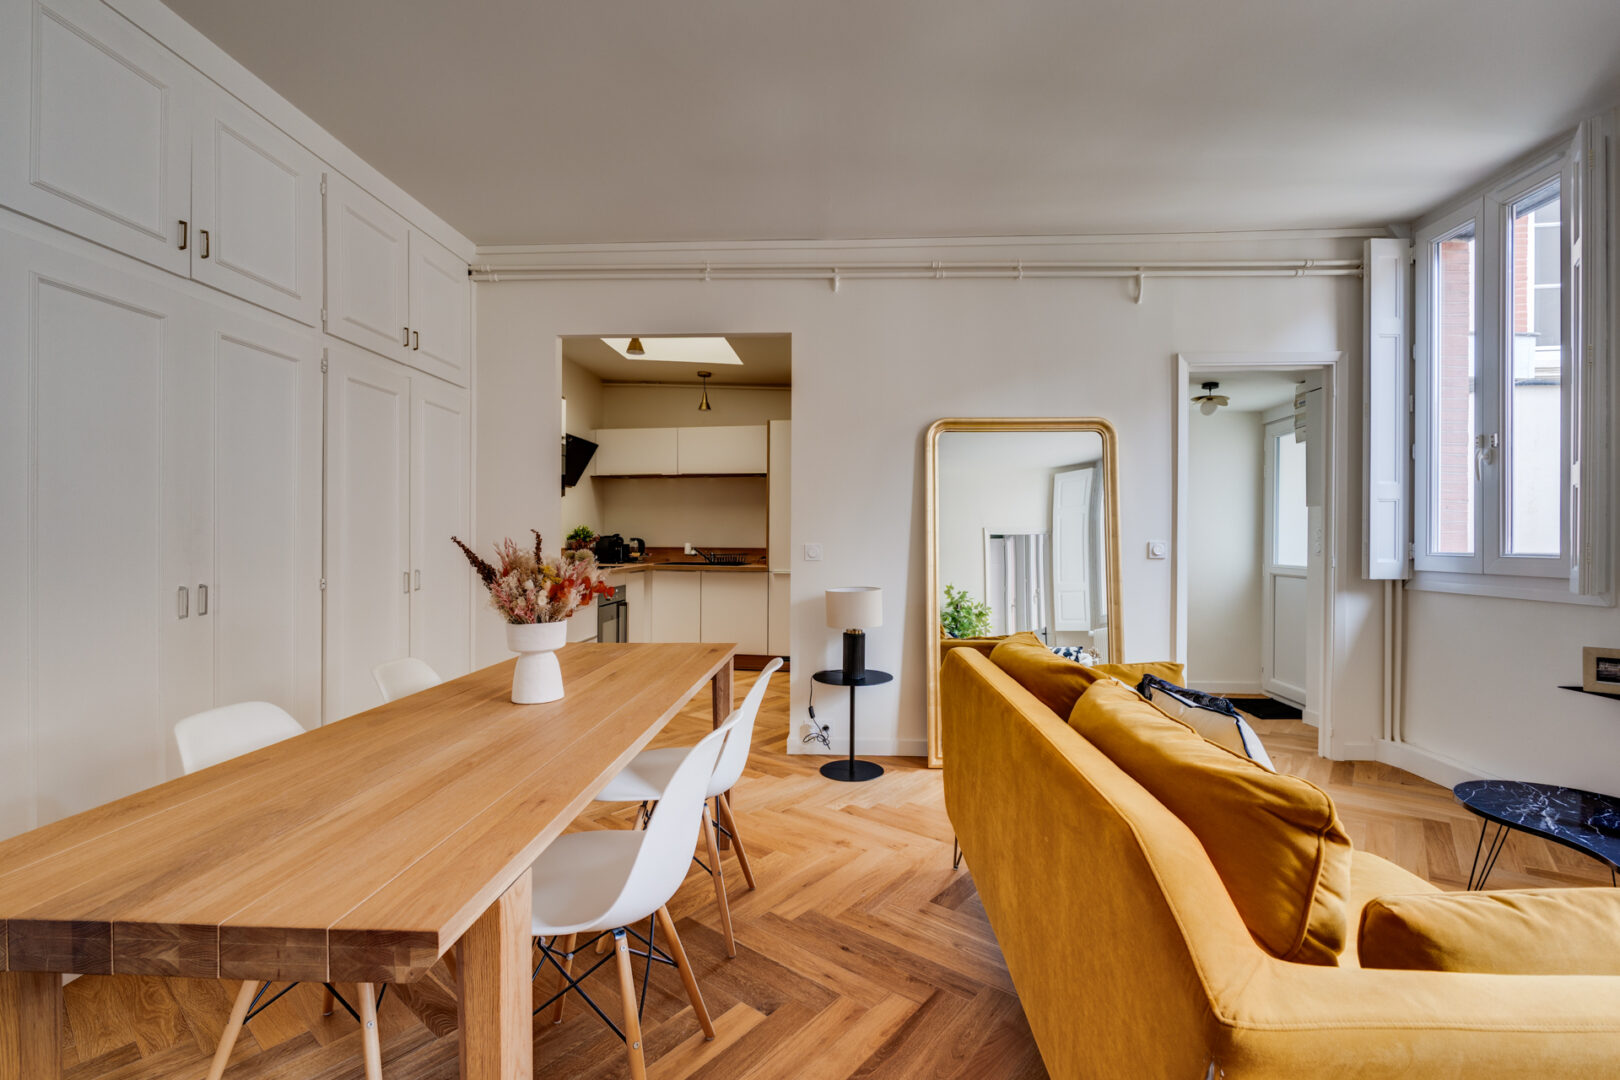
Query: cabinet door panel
x=636, y=452
x=94, y=128
x=441, y=299
x=441, y=507
x=96, y=660
x=258, y=195
x=709, y=450
x=675, y=599
x=367, y=526
x=367, y=270
x=265, y=602
x=735, y=609
x=778, y=634
x=780, y=498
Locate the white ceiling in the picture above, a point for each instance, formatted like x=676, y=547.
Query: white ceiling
x=767, y=360
x=1250, y=391
x=521, y=121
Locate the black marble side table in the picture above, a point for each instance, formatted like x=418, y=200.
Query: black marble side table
x=1583, y=820
x=852, y=769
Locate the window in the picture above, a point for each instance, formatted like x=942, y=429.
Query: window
x=1491, y=443
x=1290, y=518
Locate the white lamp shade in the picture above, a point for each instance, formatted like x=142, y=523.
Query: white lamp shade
x=854, y=608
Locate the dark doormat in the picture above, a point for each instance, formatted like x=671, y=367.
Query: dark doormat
x=1266, y=708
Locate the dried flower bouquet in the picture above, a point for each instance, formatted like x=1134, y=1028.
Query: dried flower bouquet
x=527, y=587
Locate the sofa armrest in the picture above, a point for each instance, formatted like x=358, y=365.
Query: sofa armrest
x=1511, y=932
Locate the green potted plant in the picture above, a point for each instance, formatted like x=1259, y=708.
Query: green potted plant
x=580, y=539
x=962, y=616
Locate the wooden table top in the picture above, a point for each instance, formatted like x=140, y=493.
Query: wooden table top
x=359, y=851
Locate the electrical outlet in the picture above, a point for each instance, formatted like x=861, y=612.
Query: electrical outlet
x=812, y=553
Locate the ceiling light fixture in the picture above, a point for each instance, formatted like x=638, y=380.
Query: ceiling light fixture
x=1209, y=400
x=703, y=402
x=634, y=348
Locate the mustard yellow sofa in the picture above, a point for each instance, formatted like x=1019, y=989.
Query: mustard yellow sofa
x=1131, y=960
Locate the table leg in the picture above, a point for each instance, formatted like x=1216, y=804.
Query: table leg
x=496, y=1004
x=722, y=698
x=30, y=1025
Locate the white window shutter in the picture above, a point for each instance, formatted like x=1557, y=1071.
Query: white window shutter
x=1587, y=180
x=1386, y=423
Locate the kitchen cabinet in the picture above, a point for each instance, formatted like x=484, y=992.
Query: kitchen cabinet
x=255, y=221
x=675, y=600
x=708, y=451
x=778, y=635
x=159, y=520
x=392, y=289
x=735, y=608
x=636, y=452
x=779, y=497
x=396, y=483
x=95, y=128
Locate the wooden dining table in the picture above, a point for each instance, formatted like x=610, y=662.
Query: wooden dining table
x=361, y=851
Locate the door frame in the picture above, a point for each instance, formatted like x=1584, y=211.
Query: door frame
x=1270, y=571
x=1319, y=654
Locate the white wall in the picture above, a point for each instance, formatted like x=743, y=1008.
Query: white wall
x=727, y=512
x=626, y=406
x=581, y=504
x=877, y=361
x=1224, y=557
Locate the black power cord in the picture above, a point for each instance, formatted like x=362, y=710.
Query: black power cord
x=817, y=732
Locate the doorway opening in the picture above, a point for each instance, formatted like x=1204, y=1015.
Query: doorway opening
x=1254, y=514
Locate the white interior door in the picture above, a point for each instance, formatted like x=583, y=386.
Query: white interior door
x=266, y=602
x=441, y=299
x=441, y=507
x=96, y=662
x=1285, y=601
x=256, y=210
x=368, y=532
x=367, y=270
x=1072, y=557
x=95, y=131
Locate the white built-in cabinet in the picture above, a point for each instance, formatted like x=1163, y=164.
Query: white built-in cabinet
x=160, y=520
x=675, y=605
x=693, y=451
x=779, y=498
x=112, y=137
x=778, y=634
x=398, y=446
x=701, y=605
x=393, y=289
x=735, y=608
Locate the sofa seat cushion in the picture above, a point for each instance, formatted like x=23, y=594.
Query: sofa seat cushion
x=1057, y=681
x=1507, y=932
x=1372, y=877
x=1274, y=839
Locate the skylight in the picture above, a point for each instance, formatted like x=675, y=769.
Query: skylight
x=679, y=350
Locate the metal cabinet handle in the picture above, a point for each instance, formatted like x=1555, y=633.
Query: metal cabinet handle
x=407, y=341
x=416, y=341
x=419, y=581
x=202, y=234
x=202, y=599
x=185, y=235
x=185, y=602
x=407, y=576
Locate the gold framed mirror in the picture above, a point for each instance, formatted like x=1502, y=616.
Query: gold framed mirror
x=1023, y=529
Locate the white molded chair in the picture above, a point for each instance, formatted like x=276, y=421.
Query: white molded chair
x=208, y=738
x=649, y=771
x=402, y=678
x=603, y=881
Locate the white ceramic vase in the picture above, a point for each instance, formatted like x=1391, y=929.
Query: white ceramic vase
x=538, y=677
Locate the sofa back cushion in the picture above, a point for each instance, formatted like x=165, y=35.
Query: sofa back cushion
x=1275, y=840
x=1514, y=932
x=1057, y=681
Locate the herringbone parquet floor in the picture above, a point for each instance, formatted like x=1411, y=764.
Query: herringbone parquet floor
x=860, y=955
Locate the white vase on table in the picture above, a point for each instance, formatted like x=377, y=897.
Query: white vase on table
x=538, y=677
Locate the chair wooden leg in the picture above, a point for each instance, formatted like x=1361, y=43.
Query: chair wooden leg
x=632, y=1016
x=370, y=1044
x=678, y=951
x=730, y=822
x=718, y=873
x=328, y=1001
x=451, y=969
x=562, y=982
x=233, y=1028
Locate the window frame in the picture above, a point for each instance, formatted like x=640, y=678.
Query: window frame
x=1490, y=569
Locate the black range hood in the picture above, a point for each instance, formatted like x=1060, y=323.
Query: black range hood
x=576, y=455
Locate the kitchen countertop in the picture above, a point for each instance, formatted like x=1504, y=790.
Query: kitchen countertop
x=677, y=559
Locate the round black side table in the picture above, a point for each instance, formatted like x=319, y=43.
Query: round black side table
x=852, y=769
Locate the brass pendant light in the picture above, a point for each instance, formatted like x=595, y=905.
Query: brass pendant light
x=635, y=348
x=703, y=402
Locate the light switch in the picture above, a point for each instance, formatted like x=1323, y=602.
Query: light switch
x=1158, y=549
x=812, y=553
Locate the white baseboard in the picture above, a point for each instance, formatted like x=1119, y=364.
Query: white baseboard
x=1219, y=687
x=1438, y=768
